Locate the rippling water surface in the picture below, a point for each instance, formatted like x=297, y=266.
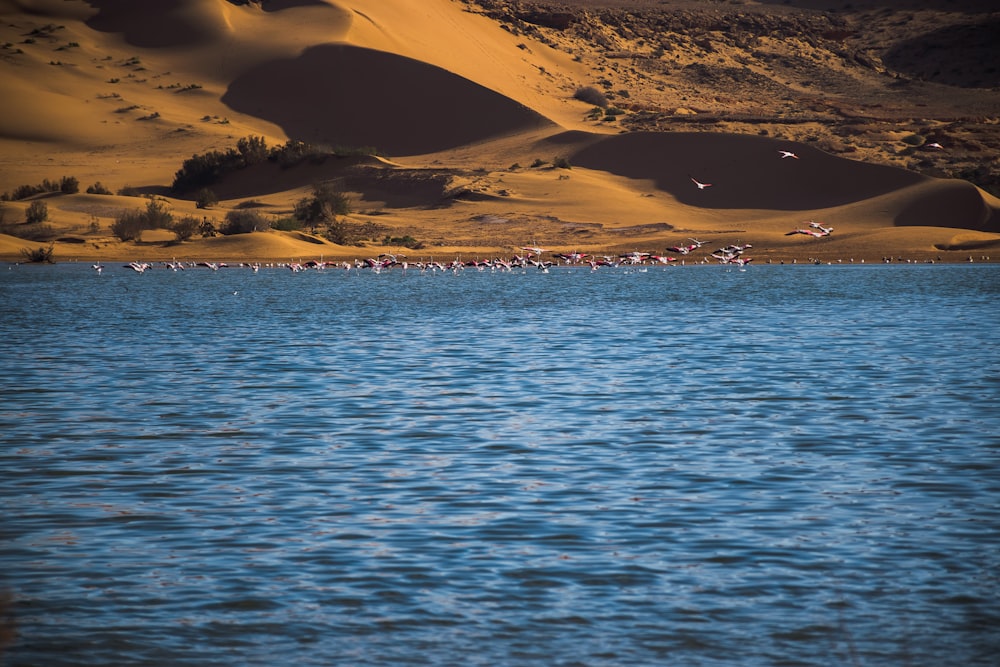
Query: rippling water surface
x=791, y=465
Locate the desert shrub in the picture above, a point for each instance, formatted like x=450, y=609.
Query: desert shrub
x=252, y=149
x=406, y=241
x=287, y=224
x=244, y=222
x=129, y=191
x=207, y=228
x=591, y=95
x=561, y=163
x=205, y=199
x=345, y=232
x=186, y=227
x=913, y=140
x=129, y=225
x=98, y=189
x=202, y=170
x=69, y=185
x=38, y=211
x=157, y=216
x=538, y=162
x=325, y=204
x=39, y=254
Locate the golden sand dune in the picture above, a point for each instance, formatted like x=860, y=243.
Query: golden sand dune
x=484, y=146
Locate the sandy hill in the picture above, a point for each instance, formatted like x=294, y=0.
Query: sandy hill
x=477, y=126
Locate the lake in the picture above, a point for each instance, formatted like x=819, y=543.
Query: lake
x=687, y=465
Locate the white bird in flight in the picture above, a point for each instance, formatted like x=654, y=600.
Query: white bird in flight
x=701, y=186
x=785, y=154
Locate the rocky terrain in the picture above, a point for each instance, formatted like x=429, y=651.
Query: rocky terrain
x=884, y=82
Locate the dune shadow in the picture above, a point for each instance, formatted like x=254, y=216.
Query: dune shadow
x=157, y=23
x=339, y=94
x=745, y=171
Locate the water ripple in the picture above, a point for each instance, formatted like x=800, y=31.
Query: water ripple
x=791, y=465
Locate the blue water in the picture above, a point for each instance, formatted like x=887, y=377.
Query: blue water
x=789, y=465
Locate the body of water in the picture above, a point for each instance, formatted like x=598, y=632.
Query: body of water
x=693, y=465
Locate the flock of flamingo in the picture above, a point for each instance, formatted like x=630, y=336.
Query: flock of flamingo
x=532, y=257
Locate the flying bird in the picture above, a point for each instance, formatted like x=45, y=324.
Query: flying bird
x=816, y=233
x=786, y=154
x=701, y=186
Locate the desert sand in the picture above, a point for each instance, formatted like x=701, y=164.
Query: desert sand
x=482, y=145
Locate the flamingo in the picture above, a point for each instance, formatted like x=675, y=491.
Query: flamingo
x=685, y=249
x=826, y=230
x=701, y=186
x=98, y=268
x=787, y=154
x=808, y=232
x=935, y=145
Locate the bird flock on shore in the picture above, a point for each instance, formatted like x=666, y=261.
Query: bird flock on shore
x=530, y=256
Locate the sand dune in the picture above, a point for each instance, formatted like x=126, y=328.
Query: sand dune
x=471, y=113
x=345, y=95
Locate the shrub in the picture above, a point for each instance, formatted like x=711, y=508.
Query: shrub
x=406, y=241
x=207, y=228
x=129, y=225
x=244, y=222
x=561, y=163
x=38, y=211
x=287, y=224
x=186, y=227
x=344, y=232
x=69, y=185
x=325, y=204
x=98, y=189
x=129, y=191
x=591, y=95
x=157, y=216
x=39, y=254
x=206, y=199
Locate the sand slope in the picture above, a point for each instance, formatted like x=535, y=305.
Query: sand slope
x=470, y=115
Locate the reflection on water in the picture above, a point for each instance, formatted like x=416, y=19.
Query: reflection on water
x=788, y=465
